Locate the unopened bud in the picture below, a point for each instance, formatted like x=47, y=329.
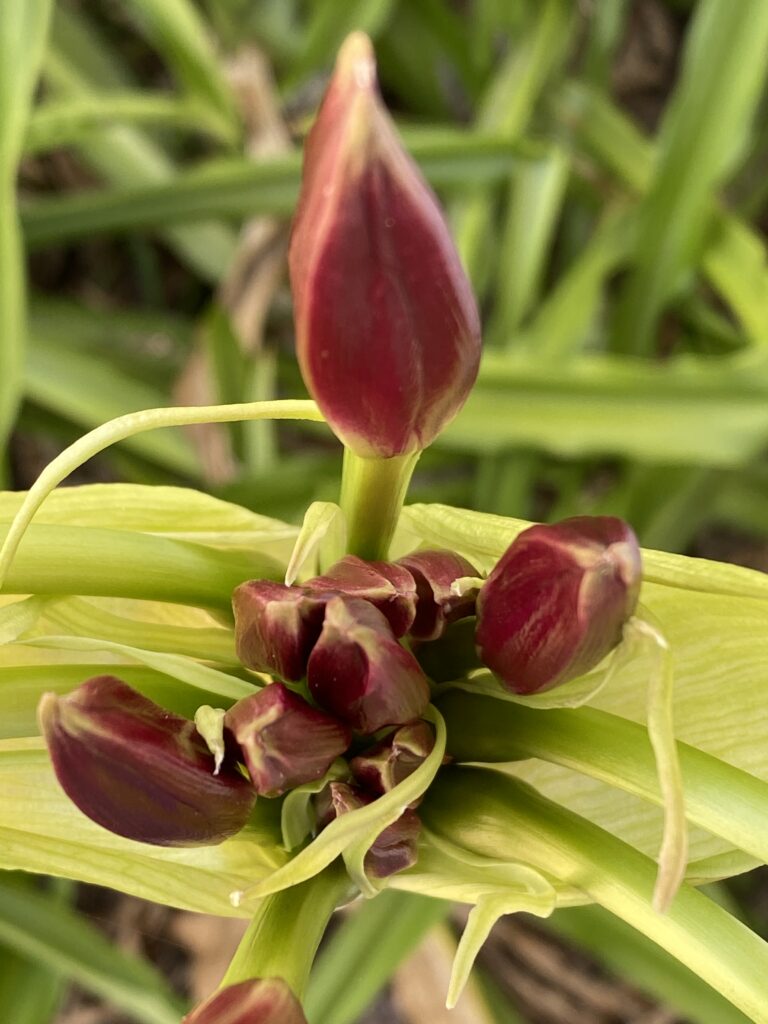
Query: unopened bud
x=256, y=1001
x=139, y=770
x=360, y=673
x=386, y=585
x=387, y=329
x=438, y=604
x=556, y=602
x=395, y=848
x=285, y=742
x=276, y=627
x=387, y=764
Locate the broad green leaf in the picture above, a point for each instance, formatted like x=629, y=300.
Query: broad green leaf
x=41, y=830
x=177, y=666
x=622, y=949
x=176, y=512
x=491, y=814
x=56, y=937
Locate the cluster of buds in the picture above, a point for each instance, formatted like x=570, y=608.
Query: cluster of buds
x=344, y=683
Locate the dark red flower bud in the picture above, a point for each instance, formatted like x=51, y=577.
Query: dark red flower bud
x=557, y=600
x=360, y=673
x=385, y=765
x=387, y=329
x=386, y=585
x=276, y=627
x=435, y=572
x=396, y=847
x=256, y=1001
x=139, y=770
x=285, y=742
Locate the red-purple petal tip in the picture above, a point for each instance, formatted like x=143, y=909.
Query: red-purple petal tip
x=256, y=1001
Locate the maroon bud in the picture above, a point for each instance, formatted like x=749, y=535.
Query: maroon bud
x=386, y=585
x=556, y=602
x=276, y=627
x=256, y=1001
x=388, y=763
x=139, y=770
x=387, y=329
x=360, y=673
x=435, y=572
x=285, y=742
x=395, y=848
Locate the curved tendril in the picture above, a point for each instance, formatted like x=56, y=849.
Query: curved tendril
x=109, y=433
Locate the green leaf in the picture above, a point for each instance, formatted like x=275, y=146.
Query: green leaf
x=64, y=123
x=50, y=934
x=491, y=814
x=629, y=954
x=23, y=31
x=323, y=532
x=364, y=952
x=708, y=411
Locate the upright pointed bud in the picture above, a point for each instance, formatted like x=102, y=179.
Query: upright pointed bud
x=256, y=1001
x=139, y=770
x=556, y=602
x=394, y=849
x=437, y=604
x=390, y=762
x=360, y=673
x=387, y=329
x=276, y=627
x=285, y=742
x=386, y=585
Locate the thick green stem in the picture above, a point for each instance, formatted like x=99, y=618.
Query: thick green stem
x=372, y=495
x=283, y=937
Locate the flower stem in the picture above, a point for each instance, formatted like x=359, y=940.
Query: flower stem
x=372, y=495
x=283, y=937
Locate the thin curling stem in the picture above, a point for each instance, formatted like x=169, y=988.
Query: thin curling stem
x=372, y=495
x=673, y=855
x=110, y=433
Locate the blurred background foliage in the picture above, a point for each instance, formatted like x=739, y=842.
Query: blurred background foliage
x=604, y=167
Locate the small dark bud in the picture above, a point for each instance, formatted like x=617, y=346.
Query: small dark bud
x=396, y=848
x=435, y=572
x=386, y=585
x=276, y=627
x=387, y=764
x=360, y=673
x=139, y=770
x=285, y=742
x=556, y=602
x=256, y=1001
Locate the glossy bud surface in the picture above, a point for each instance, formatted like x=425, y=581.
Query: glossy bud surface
x=139, y=770
x=556, y=602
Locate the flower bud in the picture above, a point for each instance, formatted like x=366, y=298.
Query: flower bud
x=139, y=770
x=387, y=329
x=285, y=742
x=388, y=763
x=386, y=585
x=395, y=848
x=360, y=673
x=256, y=1001
x=437, y=606
x=276, y=627
x=557, y=600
